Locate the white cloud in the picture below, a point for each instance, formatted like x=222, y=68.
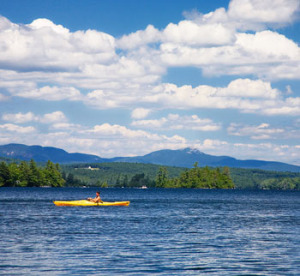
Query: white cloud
x=121, y=132
x=19, y=118
x=186, y=32
x=247, y=88
x=3, y=98
x=43, y=44
x=54, y=117
x=214, y=43
x=258, y=132
x=105, y=140
x=46, y=61
x=140, y=113
x=49, y=118
x=251, y=54
x=191, y=33
x=267, y=46
x=139, y=38
x=108, y=140
x=271, y=12
x=210, y=144
x=246, y=95
x=12, y=128
x=290, y=106
x=66, y=126
x=177, y=122
x=260, y=151
x=49, y=93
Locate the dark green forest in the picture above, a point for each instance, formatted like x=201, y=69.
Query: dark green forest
x=32, y=174
x=119, y=174
x=137, y=175
x=200, y=178
x=29, y=174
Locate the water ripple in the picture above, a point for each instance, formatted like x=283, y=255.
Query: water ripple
x=162, y=232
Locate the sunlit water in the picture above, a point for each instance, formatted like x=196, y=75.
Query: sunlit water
x=162, y=232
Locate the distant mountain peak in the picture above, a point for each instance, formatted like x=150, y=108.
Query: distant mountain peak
x=43, y=154
x=192, y=151
x=186, y=157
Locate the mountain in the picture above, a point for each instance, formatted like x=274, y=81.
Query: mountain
x=187, y=157
x=43, y=154
x=178, y=158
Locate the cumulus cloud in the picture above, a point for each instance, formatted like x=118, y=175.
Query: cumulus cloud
x=140, y=113
x=65, y=126
x=21, y=118
x=47, y=62
x=246, y=95
x=177, y=122
x=247, y=88
x=109, y=140
x=3, y=97
x=270, y=12
x=251, y=54
x=49, y=93
x=258, y=132
x=43, y=44
x=105, y=140
x=194, y=34
x=139, y=38
x=121, y=131
x=186, y=32
x=12, y=128
x=54, y=117
x=290, y=106
x=259, y=151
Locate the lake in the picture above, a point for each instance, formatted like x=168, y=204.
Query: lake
x=162, y=232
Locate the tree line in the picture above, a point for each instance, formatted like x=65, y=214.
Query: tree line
x=280, y=184
x=206, y=178
x=203, y=178
x=28, y=174
x=128, y=175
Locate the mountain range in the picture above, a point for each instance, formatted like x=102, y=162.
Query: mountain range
x=178, y=158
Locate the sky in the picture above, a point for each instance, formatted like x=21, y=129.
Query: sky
x=129, y=77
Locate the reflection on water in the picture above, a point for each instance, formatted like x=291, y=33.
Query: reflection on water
x=164, y=232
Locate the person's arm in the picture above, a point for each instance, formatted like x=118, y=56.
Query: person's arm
x=92, y=199
x=99, y=200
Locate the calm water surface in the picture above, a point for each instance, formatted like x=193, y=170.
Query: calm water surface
x=162, y=232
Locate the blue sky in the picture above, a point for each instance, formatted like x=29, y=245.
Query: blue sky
x=125, y=78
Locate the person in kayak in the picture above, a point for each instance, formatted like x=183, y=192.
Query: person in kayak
x=97, y=199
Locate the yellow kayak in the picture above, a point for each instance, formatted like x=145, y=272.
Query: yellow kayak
x=89, y=203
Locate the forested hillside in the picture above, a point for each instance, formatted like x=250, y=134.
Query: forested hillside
x=114, y=174
x=137, y=174
x=32, y=174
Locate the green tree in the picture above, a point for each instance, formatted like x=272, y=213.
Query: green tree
x=70, y=180
x=138, y=180
x=125, y=181
x=34, y=177
x=24, y=173
x=15, y=174
x=53, y=176
x=162, y=178
x=5, y=176
x=104, y=185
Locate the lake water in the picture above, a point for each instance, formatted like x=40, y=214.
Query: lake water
x=162, y=232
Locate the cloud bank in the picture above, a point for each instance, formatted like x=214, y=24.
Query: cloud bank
x=46, y=62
